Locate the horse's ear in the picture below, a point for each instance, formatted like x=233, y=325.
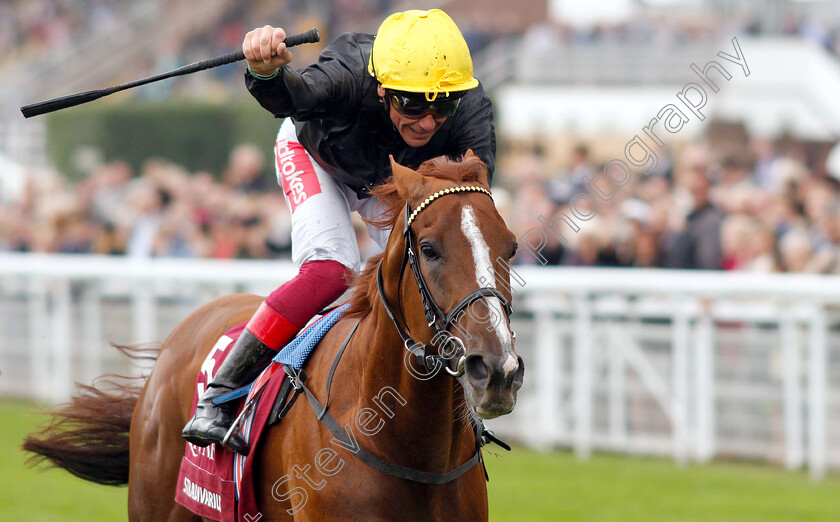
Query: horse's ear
x=407, y=180
x=481, y=176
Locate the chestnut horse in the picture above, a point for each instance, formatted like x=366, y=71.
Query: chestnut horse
x=447, y=241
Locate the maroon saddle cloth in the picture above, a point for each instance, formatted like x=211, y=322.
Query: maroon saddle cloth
x=214, y=482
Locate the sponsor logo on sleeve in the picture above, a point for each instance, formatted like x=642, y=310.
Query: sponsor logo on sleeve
x=295, y=172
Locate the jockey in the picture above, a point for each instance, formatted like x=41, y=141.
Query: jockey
x=409, y=93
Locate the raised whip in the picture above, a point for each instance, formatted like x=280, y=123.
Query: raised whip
x=56, y=104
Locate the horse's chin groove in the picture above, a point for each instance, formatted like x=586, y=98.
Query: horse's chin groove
x=488, y=416
x=494, y=412
x=485, y=411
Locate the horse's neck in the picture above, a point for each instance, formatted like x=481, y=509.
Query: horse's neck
x=429, y=429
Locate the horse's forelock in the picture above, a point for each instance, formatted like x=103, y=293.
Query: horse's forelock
x=443, y=168
x=468, y=170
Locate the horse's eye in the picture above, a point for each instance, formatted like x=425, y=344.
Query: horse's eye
x=429, y=251
x=513, y=251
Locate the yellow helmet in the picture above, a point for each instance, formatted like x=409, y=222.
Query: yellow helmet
x=422, y=52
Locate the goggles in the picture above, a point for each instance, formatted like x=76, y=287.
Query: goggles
x=411, y=107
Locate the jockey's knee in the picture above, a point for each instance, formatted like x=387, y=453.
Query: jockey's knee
x=317, y=284
x=327, y=274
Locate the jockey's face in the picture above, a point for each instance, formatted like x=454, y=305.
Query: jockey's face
x=415, y=131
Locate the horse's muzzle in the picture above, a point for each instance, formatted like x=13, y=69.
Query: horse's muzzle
x=493, y=382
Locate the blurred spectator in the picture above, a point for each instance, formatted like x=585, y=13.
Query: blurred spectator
x=588, y=247
x=109, y=185
x=645, y=252
x=178, y=234
x=745, y=245
x=147, y=203
x=109, y=241
x=245, y=169
x=795, y=251
x=581, y=169
x=699, y=245
x=16, y=231
x=74, y=234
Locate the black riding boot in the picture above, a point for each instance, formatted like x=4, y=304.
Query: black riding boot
x=212, y=422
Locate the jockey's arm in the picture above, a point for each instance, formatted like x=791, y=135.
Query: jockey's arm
x=330, y=87
x=265, y=49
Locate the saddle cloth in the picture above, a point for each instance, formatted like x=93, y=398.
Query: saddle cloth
x=217, y=483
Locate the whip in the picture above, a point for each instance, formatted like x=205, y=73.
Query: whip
x=56, y=104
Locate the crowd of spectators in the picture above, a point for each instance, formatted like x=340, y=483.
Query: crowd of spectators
x=769, y=212
x=28, y=26
x=161, y=211
x=766, y=211
x=701, y=210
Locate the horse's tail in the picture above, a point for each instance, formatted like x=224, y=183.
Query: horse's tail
x=89, y=437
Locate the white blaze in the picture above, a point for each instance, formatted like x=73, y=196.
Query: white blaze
x=484, y=272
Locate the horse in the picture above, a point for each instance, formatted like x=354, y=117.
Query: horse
x=408, y=379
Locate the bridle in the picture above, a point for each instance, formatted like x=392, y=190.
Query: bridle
x=435, y=316
x=441, y=322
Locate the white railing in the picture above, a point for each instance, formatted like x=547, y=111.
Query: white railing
x=693, y=365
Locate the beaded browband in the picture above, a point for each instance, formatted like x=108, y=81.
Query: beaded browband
x=440, y=193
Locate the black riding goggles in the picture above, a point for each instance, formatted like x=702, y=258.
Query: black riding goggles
x=412, y=107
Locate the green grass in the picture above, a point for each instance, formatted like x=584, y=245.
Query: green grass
x=524, y=486
x=46, y=495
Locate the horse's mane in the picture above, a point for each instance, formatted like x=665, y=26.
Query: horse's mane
x=468, y=169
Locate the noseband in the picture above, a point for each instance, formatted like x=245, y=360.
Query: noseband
x=435, y=316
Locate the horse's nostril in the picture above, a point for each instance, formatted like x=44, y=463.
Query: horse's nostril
x=519, y=375
x=477, y=370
